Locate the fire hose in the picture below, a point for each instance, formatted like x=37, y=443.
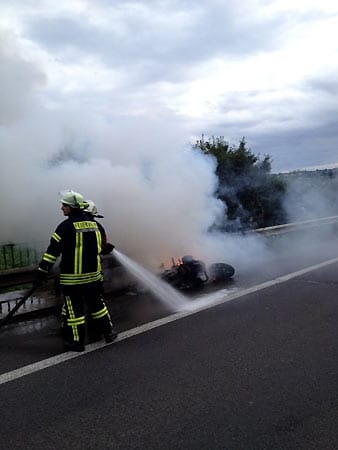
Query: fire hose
x=11, y=313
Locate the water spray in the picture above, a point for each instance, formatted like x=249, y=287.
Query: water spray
x=163, y=291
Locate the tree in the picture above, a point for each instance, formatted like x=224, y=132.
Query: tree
x=252, y=194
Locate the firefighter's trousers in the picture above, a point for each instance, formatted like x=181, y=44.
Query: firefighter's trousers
x=77, y=300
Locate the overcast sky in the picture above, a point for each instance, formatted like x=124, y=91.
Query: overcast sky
x=263, y=69
x=106, y=97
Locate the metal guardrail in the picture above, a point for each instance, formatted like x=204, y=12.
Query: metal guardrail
x=297, y=226
x=16, y=277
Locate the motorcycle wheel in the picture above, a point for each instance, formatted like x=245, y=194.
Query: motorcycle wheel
x=220, y=272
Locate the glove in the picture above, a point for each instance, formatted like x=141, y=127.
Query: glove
x=108, y=248
x=40, y=277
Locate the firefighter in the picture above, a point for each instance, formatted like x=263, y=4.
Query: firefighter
x=91, y=209
x=94, y=333
x=78, y=240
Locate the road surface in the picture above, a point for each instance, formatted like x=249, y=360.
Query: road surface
x=258, y=370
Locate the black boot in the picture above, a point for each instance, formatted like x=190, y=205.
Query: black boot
x=110, y=336
x=74, y=346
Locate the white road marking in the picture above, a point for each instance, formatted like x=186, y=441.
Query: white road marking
x=198, y=305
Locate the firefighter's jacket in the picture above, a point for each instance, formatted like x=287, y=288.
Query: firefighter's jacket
x=78, y=239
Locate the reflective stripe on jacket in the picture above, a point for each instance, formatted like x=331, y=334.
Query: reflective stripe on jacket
x=78, y=240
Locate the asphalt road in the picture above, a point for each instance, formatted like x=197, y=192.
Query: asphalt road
x=257, y=372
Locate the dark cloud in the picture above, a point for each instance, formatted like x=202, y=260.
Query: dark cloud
x=160, y=48
x=323, y=84
x=298, y=148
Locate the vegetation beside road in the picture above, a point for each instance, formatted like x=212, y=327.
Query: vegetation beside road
x=256, y=198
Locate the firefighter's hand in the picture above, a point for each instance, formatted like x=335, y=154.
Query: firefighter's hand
x=40, y=278
x=108, y=248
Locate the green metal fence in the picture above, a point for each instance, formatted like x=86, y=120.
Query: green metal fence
x=13, y=255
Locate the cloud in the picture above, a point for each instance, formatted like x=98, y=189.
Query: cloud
x=244, y=66
x=158, y=40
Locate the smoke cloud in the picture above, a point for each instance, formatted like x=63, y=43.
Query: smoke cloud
x=311, y=195
x=155, y=191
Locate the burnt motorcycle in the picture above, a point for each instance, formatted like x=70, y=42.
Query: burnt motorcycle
x=189, y=273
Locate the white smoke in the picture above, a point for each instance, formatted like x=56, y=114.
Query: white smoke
x=311, y=195
x=155, y=191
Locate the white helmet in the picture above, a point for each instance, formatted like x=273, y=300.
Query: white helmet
x=73, y=199
x=92, y=209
